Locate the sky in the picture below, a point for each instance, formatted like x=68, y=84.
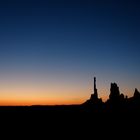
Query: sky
x=50, y=50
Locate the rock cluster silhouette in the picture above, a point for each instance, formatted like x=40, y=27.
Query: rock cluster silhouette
x=116, y=102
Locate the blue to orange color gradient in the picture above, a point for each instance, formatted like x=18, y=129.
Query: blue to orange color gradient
x=50, y=50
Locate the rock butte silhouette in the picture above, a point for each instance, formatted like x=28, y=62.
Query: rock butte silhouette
x=117, y=101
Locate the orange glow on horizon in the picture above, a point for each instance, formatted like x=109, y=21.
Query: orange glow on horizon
x=26, y=94
x=30, y=102
x=36, y=100
x=53, y=98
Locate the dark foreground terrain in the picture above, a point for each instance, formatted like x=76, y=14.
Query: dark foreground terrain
x=117, y=118
x=73, y=121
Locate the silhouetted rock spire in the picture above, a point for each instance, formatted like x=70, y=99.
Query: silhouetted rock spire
x=136, y=93
x=94, y=100
x=116, y=100
x=114, y=92
x=94, y=96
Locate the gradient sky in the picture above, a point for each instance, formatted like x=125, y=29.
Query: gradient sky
x=50, y=50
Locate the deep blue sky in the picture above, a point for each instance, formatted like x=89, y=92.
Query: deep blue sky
x=70, y=42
